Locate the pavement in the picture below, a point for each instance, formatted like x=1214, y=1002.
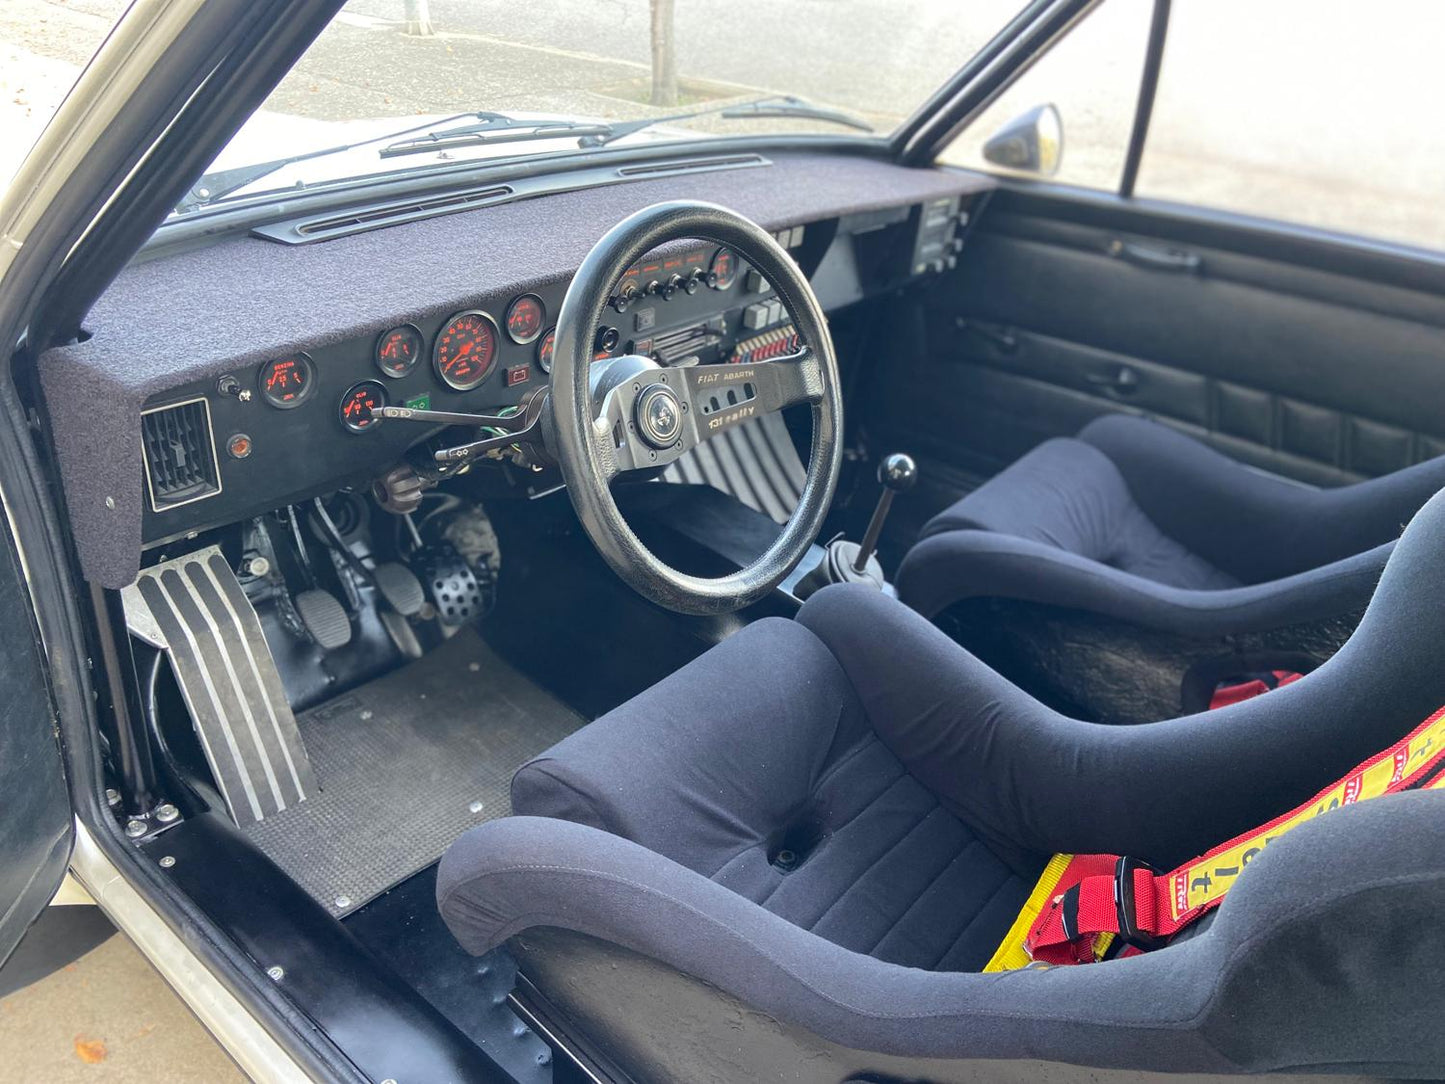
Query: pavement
x=107, y=1017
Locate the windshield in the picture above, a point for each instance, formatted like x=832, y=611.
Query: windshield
x=410, y=84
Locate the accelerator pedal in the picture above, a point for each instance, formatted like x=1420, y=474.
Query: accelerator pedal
x=324, y=617
x=400, y=588
x=193, y=608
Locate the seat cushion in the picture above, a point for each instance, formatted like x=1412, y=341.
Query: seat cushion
x=778, y=788
x=1068, y=494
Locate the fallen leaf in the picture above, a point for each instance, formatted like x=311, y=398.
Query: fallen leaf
x=90, y=1051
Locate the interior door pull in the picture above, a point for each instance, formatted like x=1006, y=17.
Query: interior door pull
x=1001, y=337
x=1120, y=381
x=1156, y=257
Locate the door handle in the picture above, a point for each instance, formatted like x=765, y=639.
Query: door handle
x=1156, y=257
x=1001, y=337
x=1119, y=381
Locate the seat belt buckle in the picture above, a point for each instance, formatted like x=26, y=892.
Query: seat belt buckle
x=1125, y=905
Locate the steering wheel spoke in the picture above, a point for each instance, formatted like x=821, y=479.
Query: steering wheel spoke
x=723, y=396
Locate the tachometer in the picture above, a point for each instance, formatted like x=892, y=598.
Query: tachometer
x=724, y=269
x=398, y=350
x=286, y=382
x=524, y=319
x=545, y=350
x=466, y=350
x=359, y=406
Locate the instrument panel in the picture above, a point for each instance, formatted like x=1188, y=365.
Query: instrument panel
x=295, y=425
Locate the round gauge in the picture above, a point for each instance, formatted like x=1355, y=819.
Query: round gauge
x=466, y=350
x=287, y=382
x=545, y=349
x=398, y=350
x=358, y=406
x=524, y=319
x=724, y=269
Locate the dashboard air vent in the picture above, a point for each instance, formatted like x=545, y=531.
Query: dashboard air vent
x=384, y=214
x=180, y=454
x=704, y=164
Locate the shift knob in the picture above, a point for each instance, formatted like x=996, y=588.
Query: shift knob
x=898, y=472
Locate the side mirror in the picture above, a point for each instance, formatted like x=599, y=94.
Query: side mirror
x=1032, y=142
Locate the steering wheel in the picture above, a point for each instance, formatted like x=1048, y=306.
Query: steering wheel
x=620, y=415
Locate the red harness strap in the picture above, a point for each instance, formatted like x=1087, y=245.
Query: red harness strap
x=1106, y=894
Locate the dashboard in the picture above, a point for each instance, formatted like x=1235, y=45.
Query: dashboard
x=246, y=431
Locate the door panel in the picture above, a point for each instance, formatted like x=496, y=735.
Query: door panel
x=36, y=828
x=1320, y=360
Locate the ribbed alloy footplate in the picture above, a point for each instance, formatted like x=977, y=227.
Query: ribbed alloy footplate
x=755, y=462
x=194, y=608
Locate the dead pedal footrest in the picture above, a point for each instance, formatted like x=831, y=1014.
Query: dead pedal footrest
x=193, y=608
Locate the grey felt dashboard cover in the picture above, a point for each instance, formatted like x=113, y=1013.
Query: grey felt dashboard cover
x=243, y=301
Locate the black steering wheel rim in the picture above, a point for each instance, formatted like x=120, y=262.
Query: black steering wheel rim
x=586, y=458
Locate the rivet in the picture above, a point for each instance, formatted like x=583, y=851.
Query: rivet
x=343, y=901
x=276, y=973
x=168, y=861
x=475, y=807
x=365, y=715
x=110, y=503
x=165, y=813
x=135, y=829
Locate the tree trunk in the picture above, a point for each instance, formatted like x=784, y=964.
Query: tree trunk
x=418, y=18
x=664, y=55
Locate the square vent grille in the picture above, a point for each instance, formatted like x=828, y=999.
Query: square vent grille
x=180, y=454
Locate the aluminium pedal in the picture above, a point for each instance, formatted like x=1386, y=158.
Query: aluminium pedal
x=194, y=609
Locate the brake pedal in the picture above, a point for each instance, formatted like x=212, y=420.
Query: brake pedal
x=324, y=617
x=400, y=588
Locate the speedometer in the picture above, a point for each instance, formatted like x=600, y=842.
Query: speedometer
x=466, y=350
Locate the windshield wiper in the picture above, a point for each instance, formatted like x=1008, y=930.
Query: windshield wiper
x=493, y=128
x=484, y=135
x=601, y=133
x=221, y=183
x=773, y=106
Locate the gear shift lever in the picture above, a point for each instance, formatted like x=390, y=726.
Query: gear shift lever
x=847, y=562
x=898, y=473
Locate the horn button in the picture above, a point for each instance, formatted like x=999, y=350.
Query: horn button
x=658, y=416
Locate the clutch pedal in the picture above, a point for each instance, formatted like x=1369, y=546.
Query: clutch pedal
x=324, y=618
x=194, y=609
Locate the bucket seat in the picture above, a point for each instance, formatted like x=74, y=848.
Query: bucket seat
x=791, y=858
x=1097, y=571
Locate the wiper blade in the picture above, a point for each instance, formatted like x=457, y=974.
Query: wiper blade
x=484, y=135
x=773, y=106
x=221, y=183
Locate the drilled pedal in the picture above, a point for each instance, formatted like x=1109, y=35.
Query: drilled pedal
x=193, y=608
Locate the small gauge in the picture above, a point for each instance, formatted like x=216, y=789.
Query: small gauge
x=545, y=349
x=525, y=317
x=724, y=269
x=287, y=382
x=359, y=405
x=398, y=350
x=466, y=350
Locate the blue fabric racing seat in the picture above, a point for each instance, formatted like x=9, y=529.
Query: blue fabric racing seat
x=790, y=859
x=1097, y=571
